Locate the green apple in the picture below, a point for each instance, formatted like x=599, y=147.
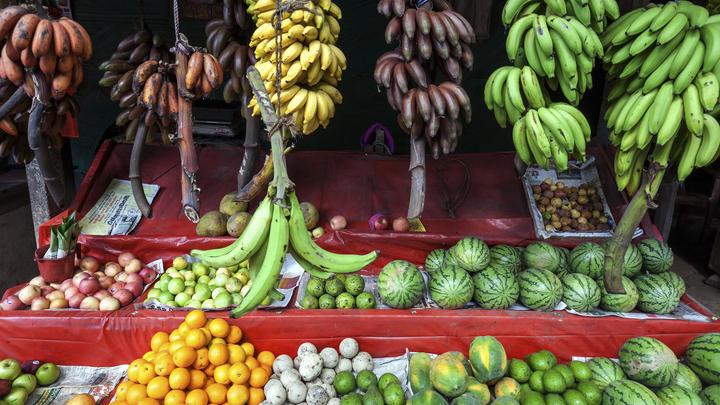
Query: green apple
x=47, y=374
x=162, y=285
x=203, y=280
x=194, y=304
x=218, y=291
x=176, y=286
x=200, y=269
x=154, y=293
x=233, y=285
x=17, y=396
x=165, y=277
x=222, y=270
x=173, y=273
x=188, y=275
x=190, y=283
x=223, y=300
x=165, y=297
x=182, y=299
x=9, y=369
x=208, y=303
x=221, y=279
x=25, y=381
x=180, y=263
x=236, y=298
x=189, y=290
x=202, y=292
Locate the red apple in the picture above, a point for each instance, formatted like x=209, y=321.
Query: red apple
x=119, y=285
x=134, y=266
x=401, y=224
x=38, y=281
x=102, y=294
x=40, y=303
x=90, y=303
x=124, y=296
x=76, y=299
x=378, y=222
x=57, y=294
x=106, y=282
x=90, y=264
x=70, y=292
x=148, y=275
x=11, y=303
x=66, y=284
x=5, y=387
x=338, y=222
x=134, y=278
x=59, y=303
x=109, y=304
x=77, y=278
x=89, y=286
x=122, y=276
x=125, y=258
x=135, y=288
x=99, y=274
x=112, y=269
x=29, y=293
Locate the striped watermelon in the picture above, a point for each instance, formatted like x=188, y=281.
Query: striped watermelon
x=605, y=371
x=656, y=294
x=632, y=262
x=648, y=361
x=619, y=302
x=588, y=259
x=495, y=288
x=471, y=254
x=540, y=289
x=687, y=379
x=703, y=357
x=488, y=359
x=657, y=256
x=711, y=395
x=674, y=279
x=506, y=257
x=435, y=260
x=542, y=256
x=677, y=395
x=626, y=392
x=564, y=260
x=400, y=284
x=580, y=292
x=451, y=287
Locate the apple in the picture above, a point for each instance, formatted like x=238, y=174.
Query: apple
x=89, y=264
x=11, y=303
x=124, y=296
x=98, y=274
x=55, y=295
x=29, y=293
x=9, y=369
x=133, y=266
x=55, y=286
x=17, y=396
x=148, y=275
x=38, y=281
x=135, y=288
x=76, y=299
x=5, y=387
x=66, y=284
x=77, y=278
x=112, y=269
x=378, y=222
x=401, y=224
x=118, y=285
x=30, y=366
x=89, y=286
x=90, y=303
x=46, y=290
x=338, y=222
x=26, y=381
x=47, y=374
x=105, y=282
x=102, y=294
x=134, y=278
x=122, y=276
x=70, y=292
x=40, y=303
x=124, y=258
x=109, y=304
x=59, y=303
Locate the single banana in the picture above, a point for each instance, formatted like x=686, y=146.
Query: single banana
x=710, y=142
x=520, y=141
x=707, y=85
x=672, y=122
x=689, y=155
x=531, y=87
x=513, y=88
x=661, y=106
x=693, y=110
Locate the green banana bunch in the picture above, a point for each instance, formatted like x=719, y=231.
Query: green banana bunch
x=591, y=13
x=510, y=91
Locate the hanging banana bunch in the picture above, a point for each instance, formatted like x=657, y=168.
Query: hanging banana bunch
x=662, y=64
x=595, y=14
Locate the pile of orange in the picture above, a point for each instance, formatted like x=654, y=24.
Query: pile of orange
x=201, y=362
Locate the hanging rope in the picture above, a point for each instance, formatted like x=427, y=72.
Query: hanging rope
x=176, y=20
x=141, y=13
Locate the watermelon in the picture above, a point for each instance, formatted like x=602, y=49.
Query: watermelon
x=400, y=284
x=687, y=379
x=488, y=359
x=542, y=256
x=648, y=361
x=711, y=395
x=435, y=260
x=657, y=256
x=626, y=392
x=656, y=294
x=677, y=395
x=633, y=263
x=427, y=397
x=451, y=287
x=471, y=254
x=605, y=371
x=703, y=357
x=580, y=292
x=448, y=374
x=540, y=289
x=495, y=288
x=564, y=266
x=674, y=279
x=588, y=259
x=506, y=257
x=619, y=302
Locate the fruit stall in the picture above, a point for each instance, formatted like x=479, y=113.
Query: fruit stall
x=532, y=276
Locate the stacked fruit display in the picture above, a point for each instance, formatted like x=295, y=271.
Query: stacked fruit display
x=202, y=361
x=367, y=388
x=18, y=381
x=662, y=64
x=565, y=208
x=311, y=64
x=593, y=14
x=106, y=288
x=339, y=291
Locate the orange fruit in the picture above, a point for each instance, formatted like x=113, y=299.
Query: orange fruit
x=235, y=335
x=176, y=345
x=196, y=397
x=207, y=333
x=237, y=354
x=119, y=403
x=219, y=327
x=218, y=354
x=267, y=368
x=134, y=368
x=238, y=395
x=257, y=395
x=164, y=364
x=148, y=401
x=195, y=339
x=195, y=319
x=164, y=347
x=122, y=389
x=184, y=356
x=217, y=393
x=158, y=387
x=201, y=359
x=258, y=377
x=222, y=374
x=175, y=397
x=239, y=373
x=174, y=335
x=135, y=394
x=210, y=370
x=179, y=379
x=146, y=373
x=266, y=357
x=149, y=356
x=249, y=348
x=184, y=329
x=158, y=339
x=197, y=379
x=251, y=362
x=217, y=340
x=210, y=381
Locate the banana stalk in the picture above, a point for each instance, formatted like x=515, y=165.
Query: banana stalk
x=134, y=173
x=252, y=134
x=7, y=107
x=417, y=177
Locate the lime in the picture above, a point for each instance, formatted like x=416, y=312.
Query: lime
x=542, y=360
x=334, y=287
x=393, y=394
x=520, y=370
x=553, y=381
x=316, y=287
x=165, y=297
x=387, y=379
x=554, y=399
x=354, y=284
x=341, y=277
x=365, y=301
x=567, y=374
x=365, y=379
x=531, y=397
x=327, y=301
x=351, y=399
x=344, y=382
x=373, y=396
x=593, y=395
x=200, y=269
x=309, y=302
x=580, y=370
x=345, y=301
x=179, y=263
x=176, y=286
x=574, y=397
x=536, y=381
x=154, y=293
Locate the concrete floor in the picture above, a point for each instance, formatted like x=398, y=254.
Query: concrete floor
x=708, y=296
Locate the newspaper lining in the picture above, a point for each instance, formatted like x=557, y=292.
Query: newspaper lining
x=99, y=382
x=115, y=212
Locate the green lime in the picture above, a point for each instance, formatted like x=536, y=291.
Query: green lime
x=393, y=394
x=387, y=379
x=531, y=397
x=351, y=399
x=316, y=287
x=365, y=301
x=536, y=381
x=593, y=395
x=345, y=301
x=567, y=374
x=574, y=397
x=334, y=287
x=553, y=381
x=309, y=302
x=153, y=294
x=554, y=399
x=344, y=382
x=176, y=286
x=580, y=370
x=354, y=284
x=327, y=301
x=341, y=277
x=520, y=370
x=179, y=263
x=365, y=379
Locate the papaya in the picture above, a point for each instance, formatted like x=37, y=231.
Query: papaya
x=467, y=399
x=507, y=387
x=488, y=359
x=480, y=390
x=419, y=373
x=427, y=397
x=448, y=374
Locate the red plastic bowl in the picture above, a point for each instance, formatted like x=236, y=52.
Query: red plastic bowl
x=54, y=270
